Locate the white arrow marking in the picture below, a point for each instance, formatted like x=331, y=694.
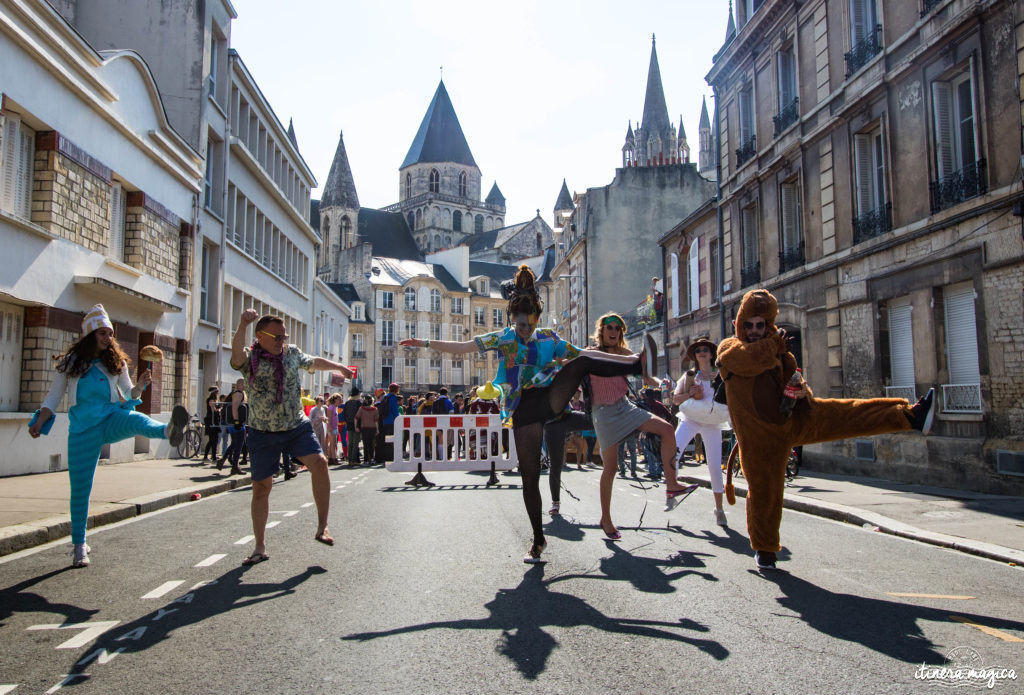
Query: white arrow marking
x=90, y=631
x=164, y=588
x=245, y=539
x=210, y=560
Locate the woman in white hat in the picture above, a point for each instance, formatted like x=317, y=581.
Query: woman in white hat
x=101, y=398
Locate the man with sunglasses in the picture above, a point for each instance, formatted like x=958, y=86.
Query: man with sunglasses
x=277, y=422
x=757, y=365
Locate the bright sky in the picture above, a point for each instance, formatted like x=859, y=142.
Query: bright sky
x=543, y=90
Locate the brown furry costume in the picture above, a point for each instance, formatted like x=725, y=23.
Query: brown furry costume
x=756, y=374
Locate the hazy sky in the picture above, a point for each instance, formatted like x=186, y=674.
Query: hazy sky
x=543, y=90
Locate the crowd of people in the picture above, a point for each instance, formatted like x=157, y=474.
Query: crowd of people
x=549, y=390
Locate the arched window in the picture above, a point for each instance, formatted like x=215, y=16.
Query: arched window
x=435, y=301
x=412, y=221
x=478, y=224
x=346, y=233
x=437, y=242
x=408, y=185
x=325, y=228
x=540, y=241
x=435, y=181
x=456, y=221
x=447, y=242
x=410, y=299
x=419, y=219
x=462, y=183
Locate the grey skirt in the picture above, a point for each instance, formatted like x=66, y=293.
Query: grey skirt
x=616, y=421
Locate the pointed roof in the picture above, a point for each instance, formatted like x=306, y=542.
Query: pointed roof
x=682, y=131
x=655, y=119
x=340, y=188
x=730, y=27
x=629, y=133
x=495, y=197
x=291, y=133
x=564, y=201
x=704, y=122
x=440, y=137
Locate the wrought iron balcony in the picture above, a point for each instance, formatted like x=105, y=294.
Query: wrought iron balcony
x=871, y=224
x=750, y=274
x=791, y=258
x=928, y=6
x=359, y=354
x=747, y=150
x=864, y=50
x=787, y=116
x=959, y=186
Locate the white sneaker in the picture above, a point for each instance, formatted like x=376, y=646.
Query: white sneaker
x=80, y=555
x=720, y=517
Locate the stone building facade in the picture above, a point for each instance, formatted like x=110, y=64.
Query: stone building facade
x=870, y=158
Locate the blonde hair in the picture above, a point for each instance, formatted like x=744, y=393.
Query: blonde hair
x=599, y=326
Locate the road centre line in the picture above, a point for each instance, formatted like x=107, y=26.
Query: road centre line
x=1005, y=636
x=164, y=588
x=245, y=539
x=307, y=504
x=4, y=689
x=210, y=560
x=951, y=597
x=291, y=513
x=272, y=524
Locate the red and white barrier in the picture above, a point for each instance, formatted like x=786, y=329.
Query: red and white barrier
x=451, y=443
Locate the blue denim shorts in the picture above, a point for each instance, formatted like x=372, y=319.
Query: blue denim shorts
x=266, y=448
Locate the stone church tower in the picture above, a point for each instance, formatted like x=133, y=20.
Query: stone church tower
x=655, y=142
x=339, y=215
x=439, y=183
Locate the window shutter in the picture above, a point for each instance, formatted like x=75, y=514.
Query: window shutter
x=421, y=370
x=751, y=249
x=674, y=270
x=446, y=372
x=9, y=161
x=862, y=146
x=116, y=250
x=786, y=85
x=858, y=20
x=961, y=336
x=423, y=329
x=787, y=201
x=378, y=327
x=901, y=344
x=943, y=115
x=974, y=112
x=694, y=271
x=23, y=175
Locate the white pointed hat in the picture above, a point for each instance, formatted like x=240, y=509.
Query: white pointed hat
x=96, y=318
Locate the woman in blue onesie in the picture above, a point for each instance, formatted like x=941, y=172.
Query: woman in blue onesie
x=94, y=374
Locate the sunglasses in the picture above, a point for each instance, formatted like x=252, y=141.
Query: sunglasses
x=751, y=324
x=699, y=350
x=277, y=338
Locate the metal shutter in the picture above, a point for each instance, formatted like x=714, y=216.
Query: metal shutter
x=961, y=336
x=901, y=344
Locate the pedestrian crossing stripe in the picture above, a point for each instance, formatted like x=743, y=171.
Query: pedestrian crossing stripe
x=1005, y=636
x=951, y=597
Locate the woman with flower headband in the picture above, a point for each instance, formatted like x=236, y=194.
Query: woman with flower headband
x=541, y=373
x=616, y=417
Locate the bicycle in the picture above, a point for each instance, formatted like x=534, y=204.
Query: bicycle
x=191, y=438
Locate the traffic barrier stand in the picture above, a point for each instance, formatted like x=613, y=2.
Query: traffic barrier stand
x=451, y=443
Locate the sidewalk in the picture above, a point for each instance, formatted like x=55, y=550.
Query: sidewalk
x=34, y=508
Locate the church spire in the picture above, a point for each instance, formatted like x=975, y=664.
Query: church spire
x=440, y=137
x=655, y=120
x=340, y=188
x=730, y=27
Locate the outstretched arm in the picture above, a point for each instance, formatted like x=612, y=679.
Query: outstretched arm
x=321, y=364
x=238, y=341
x=456, y=346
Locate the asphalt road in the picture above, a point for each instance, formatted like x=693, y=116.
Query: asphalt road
x=426, y=592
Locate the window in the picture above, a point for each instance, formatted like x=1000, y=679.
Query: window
x=358, y=348
x=478, y=224
x=693, y=293
x=457, y=332
x=961, y=169
x=457, y=367
x=117, y=218
x=865, y=41
x=750, y=273
x=410, y=299
x=747, y=147
x=208, y=178
x=434, y=375
x=18, y=162
x=435, y=301
x=457, y=305
x=435, y=331
x=347, y=240
x=385, y=299
x=901, y=351
x=674, y=279
x=498, y=317
x=387, y=370
x=410, y=330
x=462, y=183
x=409, y=372
x=357, y=311
x=963, y=392
x=874, y=213
x=716, y=276
x=387, y=333
x=408, y=190
x=480, y=376
x=435, y=181
x=788, y=102
x=456, y=221
x=479, y=318
x=204, y=284
x=791, y=253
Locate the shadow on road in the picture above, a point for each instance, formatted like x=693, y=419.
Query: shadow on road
x=521, y=614
x=646, y=573
x=15, y=599
x=888, y=627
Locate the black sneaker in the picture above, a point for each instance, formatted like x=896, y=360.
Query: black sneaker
x=649, y=357
x=764, y=560
x=923, y=412
x=176, y=427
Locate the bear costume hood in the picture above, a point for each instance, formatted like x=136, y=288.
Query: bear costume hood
x=757, y=303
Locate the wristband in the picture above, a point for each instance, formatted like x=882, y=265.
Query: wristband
x=426, y=344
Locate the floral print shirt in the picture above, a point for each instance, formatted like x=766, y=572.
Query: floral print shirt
x=264, y=414
x=525, y=365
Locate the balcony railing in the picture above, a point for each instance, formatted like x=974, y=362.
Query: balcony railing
x=747, y=150
x=927, y=7
x=791, y=258
x=908, y=392
x=871, y=224
x=961, y=398
x=359, y=354
x=864, y=50
x=787, y=116
x=959, y=186
x=750, y=274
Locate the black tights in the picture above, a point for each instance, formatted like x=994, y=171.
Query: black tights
x=537, y=406
x=554, y=439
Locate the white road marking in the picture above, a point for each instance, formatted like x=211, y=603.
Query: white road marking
x=4, y=689
x=210, y=560
x=164, y=588
x=200, y=585
x=272, y=524
x=67, y=679
x=293, y=513
x=307, y=504
x=89, y=631
x=245, y=539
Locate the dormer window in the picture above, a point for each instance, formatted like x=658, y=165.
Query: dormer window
x=358, y=311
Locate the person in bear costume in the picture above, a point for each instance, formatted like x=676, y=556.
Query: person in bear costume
x=756, y=365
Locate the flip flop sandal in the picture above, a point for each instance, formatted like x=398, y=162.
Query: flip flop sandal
x=255, y=559
x=324, y=538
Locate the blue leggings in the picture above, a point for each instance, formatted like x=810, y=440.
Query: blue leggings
x=84, y=455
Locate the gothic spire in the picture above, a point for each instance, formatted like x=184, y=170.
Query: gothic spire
x=704, y=121
x=340, y=188
x=655, y=120
x=730, y=27
x=564, y=201
x=440, y=137
x=291, y=134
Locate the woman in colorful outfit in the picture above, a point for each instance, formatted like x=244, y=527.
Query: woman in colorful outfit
x=541, y=372
x=94, y=374
x=616, y=417
x=700, y=414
